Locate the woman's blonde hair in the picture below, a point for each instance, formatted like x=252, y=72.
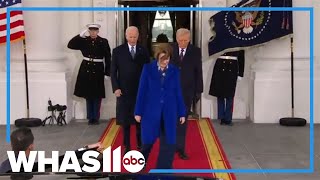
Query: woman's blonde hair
x=165, y=49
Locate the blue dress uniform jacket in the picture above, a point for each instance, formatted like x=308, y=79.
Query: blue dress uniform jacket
x=156, y=101
x=90, y=79
x=225, y=74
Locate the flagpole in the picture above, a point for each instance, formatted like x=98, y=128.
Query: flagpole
x=292, y=121
x=27, y=121
x=26, y=75
x=292, y=79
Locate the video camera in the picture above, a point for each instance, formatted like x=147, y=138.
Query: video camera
x=53, y=109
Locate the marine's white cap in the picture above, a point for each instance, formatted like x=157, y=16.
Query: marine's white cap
x=93, y=25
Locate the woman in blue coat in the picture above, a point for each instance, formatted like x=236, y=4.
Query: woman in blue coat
x=159, y=105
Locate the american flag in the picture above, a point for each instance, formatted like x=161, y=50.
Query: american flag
x=16, y=21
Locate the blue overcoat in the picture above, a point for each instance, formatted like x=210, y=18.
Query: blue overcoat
x=154, y=101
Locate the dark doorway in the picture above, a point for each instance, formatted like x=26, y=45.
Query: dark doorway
x=158, y=25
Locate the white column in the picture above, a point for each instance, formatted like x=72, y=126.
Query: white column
x=46, y=69
x=272, y=79
x=44, y=50
x=85, y=17
x=208, y=103
x=316, y=5
x=107, y=20
x=232, y=2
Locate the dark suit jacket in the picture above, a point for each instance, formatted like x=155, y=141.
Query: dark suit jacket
x=125, y=75
x=190, y=72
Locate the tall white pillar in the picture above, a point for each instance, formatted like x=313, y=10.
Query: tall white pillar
x=232, y=2
x=107, y=20
x=46, y=69
x=316, y=5
x=209, y=103
x=85, y=17
x=42, y=28
x=108, y=30
x=272, y=74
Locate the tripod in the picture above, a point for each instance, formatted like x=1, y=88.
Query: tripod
x=62, y=115
x=52, y=117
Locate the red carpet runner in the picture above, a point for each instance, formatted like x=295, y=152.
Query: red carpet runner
x=203, y=148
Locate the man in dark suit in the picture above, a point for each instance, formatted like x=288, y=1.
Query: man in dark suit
x=126, y=67
x=188, y=58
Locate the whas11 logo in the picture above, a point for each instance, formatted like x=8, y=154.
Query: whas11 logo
x=133, y=161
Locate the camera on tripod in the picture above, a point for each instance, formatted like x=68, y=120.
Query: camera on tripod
x=60, y=108
x=60, y=120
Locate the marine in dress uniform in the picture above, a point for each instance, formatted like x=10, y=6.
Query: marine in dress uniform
x=93, y=69
x=226, y=71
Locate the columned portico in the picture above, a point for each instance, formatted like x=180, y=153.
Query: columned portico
x=263, y=95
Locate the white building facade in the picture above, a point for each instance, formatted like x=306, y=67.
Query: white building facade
x=263, y=95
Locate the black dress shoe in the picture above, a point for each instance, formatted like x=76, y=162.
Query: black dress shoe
x=229, y=123
x=223, y=122
x=96, y=122
x=183, y=155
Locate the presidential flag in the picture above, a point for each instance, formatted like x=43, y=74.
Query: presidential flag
x=236, y=30
x=16, y=21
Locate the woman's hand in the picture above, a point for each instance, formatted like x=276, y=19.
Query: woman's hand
x=138, y=118
x=182, y=120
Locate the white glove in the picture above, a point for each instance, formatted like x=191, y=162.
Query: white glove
x=83, y=33
x=106, y=77
x=239, y=78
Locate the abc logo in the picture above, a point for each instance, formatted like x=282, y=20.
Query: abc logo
x=133, y=161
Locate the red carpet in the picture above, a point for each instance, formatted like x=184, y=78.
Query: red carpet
x=203, y=148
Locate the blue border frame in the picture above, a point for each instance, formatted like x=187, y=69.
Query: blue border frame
x=309, y=9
